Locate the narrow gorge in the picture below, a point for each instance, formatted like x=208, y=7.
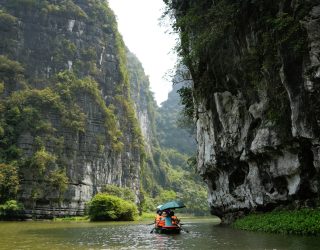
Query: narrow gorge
x=77, y=115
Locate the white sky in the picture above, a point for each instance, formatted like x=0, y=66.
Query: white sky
x=138, y=22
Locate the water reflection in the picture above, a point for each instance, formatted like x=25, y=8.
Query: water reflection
x=203, y=234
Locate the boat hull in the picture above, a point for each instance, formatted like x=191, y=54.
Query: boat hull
x=168, y=230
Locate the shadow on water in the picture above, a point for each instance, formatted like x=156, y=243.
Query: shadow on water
x=203, y=234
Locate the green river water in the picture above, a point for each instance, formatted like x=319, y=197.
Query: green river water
x=203, y=234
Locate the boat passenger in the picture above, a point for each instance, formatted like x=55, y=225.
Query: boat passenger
x=158, y=216
x=174, y=219
x=167, y=219
x=161, y=222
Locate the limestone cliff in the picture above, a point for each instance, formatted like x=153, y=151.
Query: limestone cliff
x=256, y=72
x=68, y=123
x=153, y=173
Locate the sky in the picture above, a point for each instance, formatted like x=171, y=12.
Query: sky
x=138, y=23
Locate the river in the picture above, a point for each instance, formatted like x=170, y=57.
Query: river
x=202, y=234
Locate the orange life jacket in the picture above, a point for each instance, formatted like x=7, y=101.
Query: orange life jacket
x=157, y=218
x=175, y=220
x=161, y=222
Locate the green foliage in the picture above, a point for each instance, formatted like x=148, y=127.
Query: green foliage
x=165, y=196
x=187, y=102
x=66, y=8
x=23, y=3
x=104, y=207
x=121, y=192
x=69, y=86
x=215, y=46
x=72, y=218
x=303, y=221
x=41, y=160
x=182, y=183
x=10, y=71
x=58, y=181
x=131, y=123
x=100, y=11
x=11, y=209
x=176, y=159
x=69, y=48
x=9, y=182
x=1, y=87
x=29, y=108
x=170, y=132
x=7, y=21
x=207, y=23
x=289, y=33
x=89, y=54
x=123, y=92
x=190, y=189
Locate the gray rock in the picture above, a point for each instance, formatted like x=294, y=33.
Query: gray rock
x=50, y=41
x=251, y=159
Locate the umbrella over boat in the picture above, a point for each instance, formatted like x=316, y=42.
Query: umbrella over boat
x=172, y=205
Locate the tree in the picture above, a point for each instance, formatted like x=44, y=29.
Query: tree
x=9, y=182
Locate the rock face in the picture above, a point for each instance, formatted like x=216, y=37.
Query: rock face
x=143, y=100
x=256, y=101
x=78, y=40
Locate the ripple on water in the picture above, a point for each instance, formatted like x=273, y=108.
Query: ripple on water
x=110, y=236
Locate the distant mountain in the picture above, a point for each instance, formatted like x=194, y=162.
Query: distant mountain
x=170, y=135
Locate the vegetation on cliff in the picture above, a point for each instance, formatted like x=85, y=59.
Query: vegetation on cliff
x=168, y=173
x=172, y=132
x=26, y=110
x=67, y=83
x=253, y=56
x=43, y=94
x=211, y=34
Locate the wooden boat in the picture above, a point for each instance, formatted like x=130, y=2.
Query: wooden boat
x=168, y=230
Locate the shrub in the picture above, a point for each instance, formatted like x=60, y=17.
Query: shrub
x=9, y=181
x=1, y=87
x=121, y=192
x=7, y=21
x=303, y=221
x=11, y=209
x=104, y=207
x=10, y=70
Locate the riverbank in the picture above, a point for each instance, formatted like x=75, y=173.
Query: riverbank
x=301, y=222
x=144, y=217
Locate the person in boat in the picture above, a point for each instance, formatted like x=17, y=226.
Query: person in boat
x=164, y=220
x=158, y=216
x=174, y=219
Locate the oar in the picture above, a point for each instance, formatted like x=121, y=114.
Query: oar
x=185, y=230
x=152, y=230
